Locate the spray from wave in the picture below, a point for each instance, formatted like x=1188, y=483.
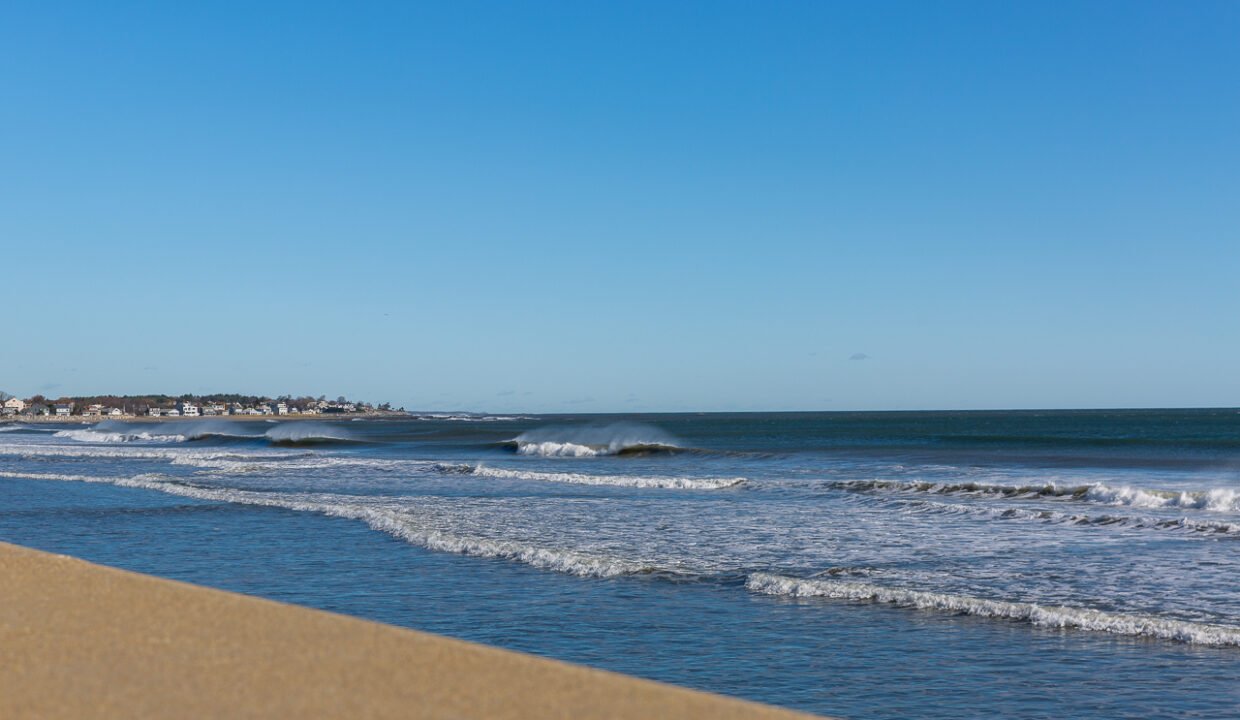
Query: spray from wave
x=594, y=441
x=307, y=433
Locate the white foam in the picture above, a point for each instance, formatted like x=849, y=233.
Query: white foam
x=1211, y=500
x=634, y=481
x=558, y=449
x=1042, y=616
x=100, y=436
x=592, y=440
x=1204, y=527
x=383, y=515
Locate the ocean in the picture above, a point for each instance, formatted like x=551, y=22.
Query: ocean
x=1080, y=564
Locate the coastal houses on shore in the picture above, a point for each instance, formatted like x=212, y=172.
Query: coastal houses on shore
x=162, y=406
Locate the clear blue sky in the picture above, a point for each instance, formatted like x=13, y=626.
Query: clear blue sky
x=583, y=206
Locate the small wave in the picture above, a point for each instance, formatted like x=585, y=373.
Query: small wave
x=1042, y=616
x=633, y=481
x=1054, y=517
x=404, y=523
x=1213, y=500
x=468, y=417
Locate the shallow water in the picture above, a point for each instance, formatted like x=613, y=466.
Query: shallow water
x=862, y=565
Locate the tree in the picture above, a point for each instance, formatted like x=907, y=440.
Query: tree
x=4, y=396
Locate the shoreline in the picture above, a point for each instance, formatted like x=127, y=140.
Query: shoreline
x=84, y=640
x=82, y=420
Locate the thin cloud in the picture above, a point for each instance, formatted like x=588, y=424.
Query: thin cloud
x=859, y=356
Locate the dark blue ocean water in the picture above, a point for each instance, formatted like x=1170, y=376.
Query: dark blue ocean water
x=882, y=565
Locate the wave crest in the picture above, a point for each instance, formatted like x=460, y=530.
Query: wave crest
x=1212, y=500
x=594, y=441
x=1132, y=624
x=633, y=481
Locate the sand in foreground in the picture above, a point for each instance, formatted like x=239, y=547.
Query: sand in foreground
x=82, y=640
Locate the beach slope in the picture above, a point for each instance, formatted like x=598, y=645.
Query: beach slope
x=82, y=640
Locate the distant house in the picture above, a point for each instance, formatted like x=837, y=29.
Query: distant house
x=15, y=405
x=280, y=408
x=64, y=409
x=214, y=409
x=115, y=412
x=155, y=412
x=172, y=413
x=187, y=408
x=93, y=411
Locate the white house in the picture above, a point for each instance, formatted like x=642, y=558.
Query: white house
x=63, y=409
x=115, y=412
x=155, y=412
x=281, y=408
x=172, y=413
x=15, y=405
x=187, y=408
x=93, y=411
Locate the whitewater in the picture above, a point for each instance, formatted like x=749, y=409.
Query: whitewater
x=822, y=546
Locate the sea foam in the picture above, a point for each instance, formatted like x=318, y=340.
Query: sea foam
x=384, y=515
x=633, y=481
x=1039, y=615
x=1211, y=500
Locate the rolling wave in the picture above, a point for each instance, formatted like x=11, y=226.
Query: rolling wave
x=92, y=435
x=425, y=528
x=633, y=481
x=403, y=522
x=579, y=450
x=1118, y=623
x=1054, y=517
x=1211, y=500
x=594, y=441
x=281, y=434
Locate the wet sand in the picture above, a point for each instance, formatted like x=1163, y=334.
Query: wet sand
x=79, y=640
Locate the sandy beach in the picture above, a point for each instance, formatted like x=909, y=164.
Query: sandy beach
x=83, y=640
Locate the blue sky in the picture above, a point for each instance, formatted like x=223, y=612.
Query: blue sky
x=627, y=206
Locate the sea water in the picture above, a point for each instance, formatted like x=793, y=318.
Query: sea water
x=864, y=565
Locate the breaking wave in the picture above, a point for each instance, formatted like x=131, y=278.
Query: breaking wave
x=1054, y=517
x=1131, y=624
x=291, y=433
x=417, y=528
x=633, y=481
x=1213, y=500
x=100, y=436
x=594, y=441
x=307, y=433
